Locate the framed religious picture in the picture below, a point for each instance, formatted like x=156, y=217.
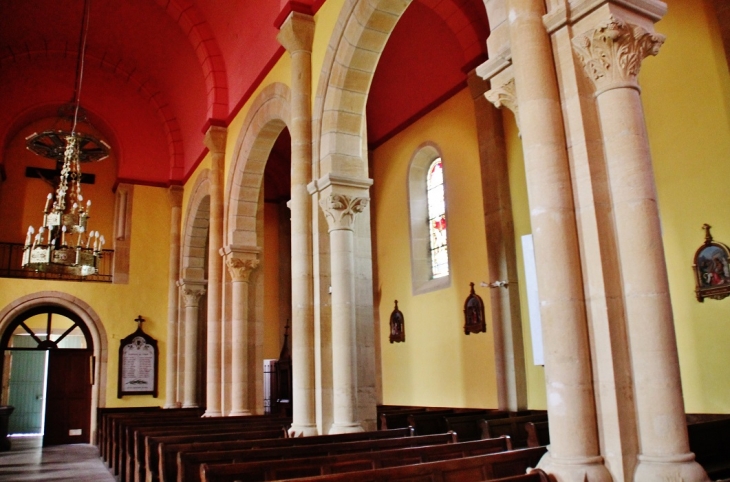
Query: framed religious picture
x=475, y=320
x=712, y=269
x=137, y=364
x=397, y=325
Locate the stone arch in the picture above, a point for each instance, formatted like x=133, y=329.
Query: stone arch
x=92, y=321
x=195, y=230
x=338, y=126
x=243, y=230
x=269, y=114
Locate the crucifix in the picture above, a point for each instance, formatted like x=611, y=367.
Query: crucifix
x=139, y=320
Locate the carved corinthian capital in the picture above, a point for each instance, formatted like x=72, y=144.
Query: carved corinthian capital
x=241, y=269
x=612, y=53
x=505, y=96
x=191, y=292
x=340, y=210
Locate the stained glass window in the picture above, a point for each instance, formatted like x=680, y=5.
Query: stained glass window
x=437, y=220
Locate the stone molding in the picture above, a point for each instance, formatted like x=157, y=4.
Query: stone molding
x=215, y=139
x=241, y=269
x=340, y=210
x=191, y=292
x=562, y=15
x=505, y=96
x=612, y=53
x=175, y=196
x=297, y=33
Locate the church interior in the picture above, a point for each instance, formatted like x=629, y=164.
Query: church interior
x=513, y=205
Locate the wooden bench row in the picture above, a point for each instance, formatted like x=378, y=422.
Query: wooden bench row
x=179, y=462
x=477, y=468
x=331, y=464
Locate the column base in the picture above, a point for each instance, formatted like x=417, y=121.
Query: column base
x=240, y=413
x=211, y=414
x=190, y=405
x=575, y=469
x=297, y=430
x=672, y=467
x=345, y=428
x=172, y=405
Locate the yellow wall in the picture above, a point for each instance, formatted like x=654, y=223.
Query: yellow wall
x=272, y=335
x=686, y=95
x=118, y=305
x=438, y=365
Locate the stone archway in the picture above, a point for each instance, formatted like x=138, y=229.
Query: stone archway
x=92, y=322
x=243, y=241
x=191, y=336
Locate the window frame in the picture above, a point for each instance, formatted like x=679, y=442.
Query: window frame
x=421, y=267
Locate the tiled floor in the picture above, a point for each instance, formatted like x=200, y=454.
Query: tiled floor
x=27, y=461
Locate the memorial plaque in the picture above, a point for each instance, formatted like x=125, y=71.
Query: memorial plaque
x=138, y=364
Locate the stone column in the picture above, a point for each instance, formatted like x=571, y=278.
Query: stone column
x=574, y=451
x=509, y=353
x=215, y=141
x=240, y=265
x=340, y=203
x=175, y=194
x=296, y=36
x=612, y=53
x=191, y=292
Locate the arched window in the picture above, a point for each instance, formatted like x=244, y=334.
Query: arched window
x=437, y=220
x=426, y=198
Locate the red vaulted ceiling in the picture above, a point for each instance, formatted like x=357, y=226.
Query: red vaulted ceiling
x=158, y=72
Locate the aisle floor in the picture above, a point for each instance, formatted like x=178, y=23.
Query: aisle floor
x=27, y=460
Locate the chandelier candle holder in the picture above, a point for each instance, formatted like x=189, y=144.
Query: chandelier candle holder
x=65, y=217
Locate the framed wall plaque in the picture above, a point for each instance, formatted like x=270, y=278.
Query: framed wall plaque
x=712, y=269
x=138, y=356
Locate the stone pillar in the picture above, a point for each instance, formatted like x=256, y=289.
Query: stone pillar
x=574, y=451
x=191, y=292
x=612, y=53
x=240, y=263
x=215, y=141
x=509, y=353
x=296, y=36
x=341, y=201
x=175, y=194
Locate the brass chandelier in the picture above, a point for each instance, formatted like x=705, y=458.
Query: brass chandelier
x=63, y=245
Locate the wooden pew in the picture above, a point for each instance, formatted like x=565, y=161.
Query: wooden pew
x=188, y=461
x=477, y=468
x=512, y=426
x=102, y=421
x=116, y=422
x=538, y=434
x=535, y=475
x=469, y=426
x=710, y=442
x=291, y=468
x=126, y=428
x=134, y=448
x=396, y=418
x=145, y=464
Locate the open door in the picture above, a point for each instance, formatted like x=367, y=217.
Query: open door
x=68, y=397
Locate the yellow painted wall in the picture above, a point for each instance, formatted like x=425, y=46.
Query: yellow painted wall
x=438, y=365
x=686, y=95
x=118, y=305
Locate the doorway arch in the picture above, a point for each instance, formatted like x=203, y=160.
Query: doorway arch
x=86, y=318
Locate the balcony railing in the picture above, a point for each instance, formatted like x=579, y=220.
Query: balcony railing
x=11, y=256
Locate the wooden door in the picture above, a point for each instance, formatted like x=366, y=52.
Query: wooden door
x=68, y=397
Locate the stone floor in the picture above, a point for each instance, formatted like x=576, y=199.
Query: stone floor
x=27, y=461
